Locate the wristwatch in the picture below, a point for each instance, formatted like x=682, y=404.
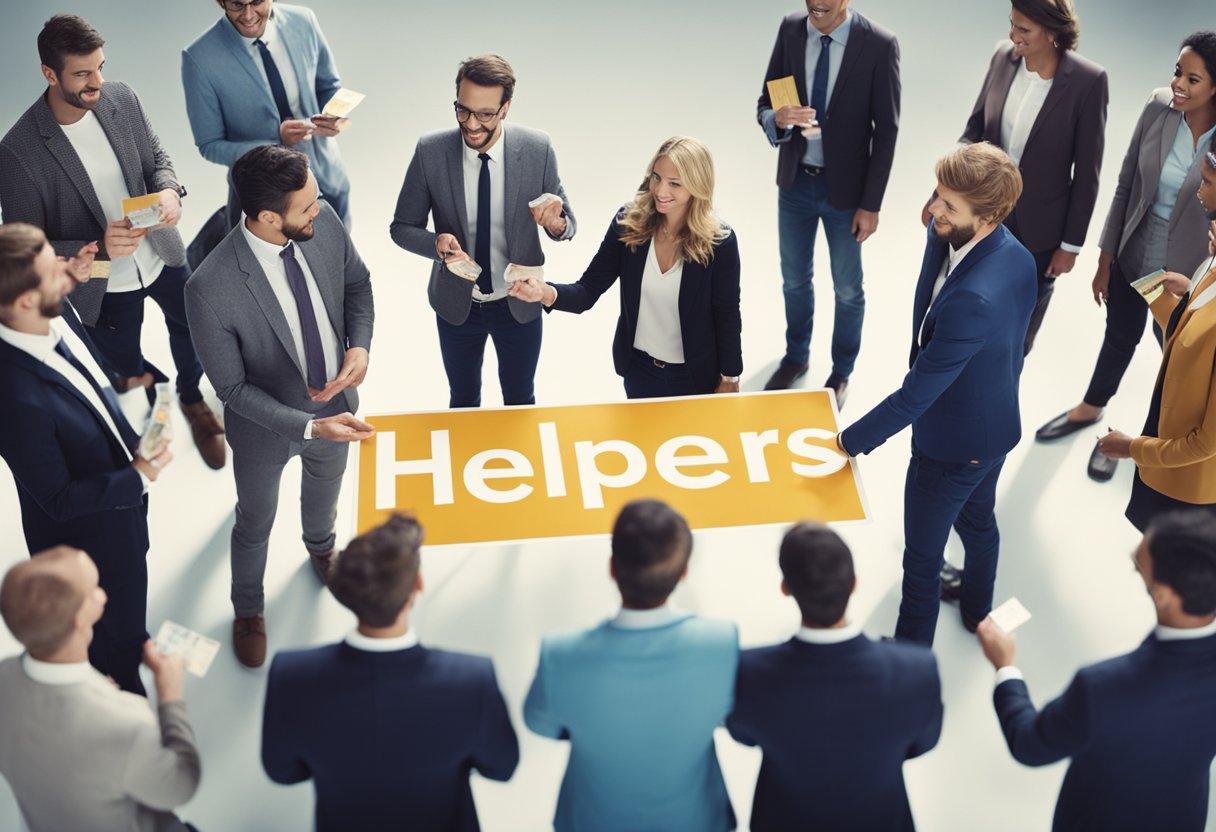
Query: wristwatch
x=181, y=192
x=731, y=379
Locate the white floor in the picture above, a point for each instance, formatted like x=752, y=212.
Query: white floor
x=609, y=85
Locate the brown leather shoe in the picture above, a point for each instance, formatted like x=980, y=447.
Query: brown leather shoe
x=785, y=375
x=249, y=640
x=208, y=434
x=324, y=564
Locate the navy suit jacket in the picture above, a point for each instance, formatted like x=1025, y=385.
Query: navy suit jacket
x=961, y=393
x=710, y=323
x=388, y=738
x=836, y=722
x=1140, y=732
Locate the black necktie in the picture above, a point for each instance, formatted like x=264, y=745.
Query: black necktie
x=107, y=395
x=819, y=89
x=276, y=82
x=314, y=354
x=485, y=283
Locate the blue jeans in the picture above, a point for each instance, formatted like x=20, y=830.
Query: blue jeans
x=799, y=211
x=463, y=348
x=937, y=496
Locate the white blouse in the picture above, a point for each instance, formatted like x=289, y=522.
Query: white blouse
x=659, y=331
x=1022, y=106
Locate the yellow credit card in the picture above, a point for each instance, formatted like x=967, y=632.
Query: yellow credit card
x=142, y=211
x=783, y=92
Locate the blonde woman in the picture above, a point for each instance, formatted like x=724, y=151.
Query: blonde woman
x=678, y=333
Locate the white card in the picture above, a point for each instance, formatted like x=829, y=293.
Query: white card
x=542, y=199
x=516, y=272
x=1010, y=615
x=197, y=651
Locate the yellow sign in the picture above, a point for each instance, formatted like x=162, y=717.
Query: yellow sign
x=521, y=473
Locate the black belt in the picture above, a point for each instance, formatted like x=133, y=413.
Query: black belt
x=645, y=356
x=487, y=302
x=813, y=170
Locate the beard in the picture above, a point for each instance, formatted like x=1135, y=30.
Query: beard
x=74, y=99
x=486, y=138
x=958, y=235
x=298, y=233
x=49, y=308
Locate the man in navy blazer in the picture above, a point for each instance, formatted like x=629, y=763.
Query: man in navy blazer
x=1139, y=728
x=846, y=70
x=973, y=303
x=80, y=480
x=639, y=696
x=835, y=713
x=387, y=730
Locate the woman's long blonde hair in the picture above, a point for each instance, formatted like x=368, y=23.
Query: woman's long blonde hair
x=702, y=228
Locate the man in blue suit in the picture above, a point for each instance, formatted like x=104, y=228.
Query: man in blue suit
x=261, y=75
x=1139, y=728
x=80, y=480
x=640, y=695
x=973, y=304
x=835, y=713
x=388, y=730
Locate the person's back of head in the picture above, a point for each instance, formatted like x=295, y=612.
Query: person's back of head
x=817, y=569
x=377, y=574
x=51, y=602
x=1181, y=549
x=651, y=545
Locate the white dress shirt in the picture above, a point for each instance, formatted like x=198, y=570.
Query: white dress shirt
x=91, y=144
x=658, y=332
x=647, y=619
x=952, y=261
x=1022, y=105
x=273, y=38
x=57, y=673
x=828, y=635
x=814, y=46
x=359, y=641
x=498, y=208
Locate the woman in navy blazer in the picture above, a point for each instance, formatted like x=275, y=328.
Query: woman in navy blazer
x=678, y=332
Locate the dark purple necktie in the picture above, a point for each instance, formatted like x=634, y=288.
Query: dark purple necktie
x=314, y=354
x=485, y=283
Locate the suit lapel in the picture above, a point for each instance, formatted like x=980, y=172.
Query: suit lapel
x=859, y=36
x=692, y=284
x=994, y=107
x=293, y=40
x=455, y=158
x=59, y=146
x=512, y=174
x=324, y=270
x=797, y=51
x=1059, y=89
x=244, y=59
x=1169, y=132
x=935, y=253
x=259, y=287
x=631, y=280
x=122, y=143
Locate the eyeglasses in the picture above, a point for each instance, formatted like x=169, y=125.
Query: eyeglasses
x=1210, y=158
x=236, y=6
x=463, y=113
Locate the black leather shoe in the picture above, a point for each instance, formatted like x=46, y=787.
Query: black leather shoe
x=785, y=376
x=840, y=386
x=1062, y=426
x=952, y=583
x=1101, y=467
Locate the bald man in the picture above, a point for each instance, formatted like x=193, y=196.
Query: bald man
x=78, y=752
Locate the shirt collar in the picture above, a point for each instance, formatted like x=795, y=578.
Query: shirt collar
x=1164, y=633
x=828, y=635
x=56, y=673
x=39, y=346
x=359, y=641
x=840, y=35
x=957, y=257
x=646, y=619
x=262, y=249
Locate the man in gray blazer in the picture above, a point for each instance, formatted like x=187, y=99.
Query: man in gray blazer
x=78, y=752
x=66, y=166
x=477, y=182
x=282, y=314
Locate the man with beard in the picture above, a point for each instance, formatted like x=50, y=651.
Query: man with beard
x=477, y=182
x=66, y=166
x=282, y=314
x=973, y=302
x=80, y=480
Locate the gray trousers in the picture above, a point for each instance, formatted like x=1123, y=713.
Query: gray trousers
x=257, y=501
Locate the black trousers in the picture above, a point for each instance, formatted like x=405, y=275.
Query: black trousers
x=1046, y=285
x=1126, y=313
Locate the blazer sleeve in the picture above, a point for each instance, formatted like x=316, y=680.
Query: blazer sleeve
x=1112, y=231
x=538, y=706
x=728, y=322
x=553, y=185
x=765, y=115
x=1039, y=738
x=497, y=752
x=219, y=350
x=161, y=175
x=21, y=201
x=931, y=728
x=1198, y=445
x=326, y=82
x=408, y=228
x=207, y=117
x=597, y=278
x=976, y=126
x=1089, y=145
x=884, y=110
x=358, y=308
x=280, y=758
x=163, y=767
x=739, y=720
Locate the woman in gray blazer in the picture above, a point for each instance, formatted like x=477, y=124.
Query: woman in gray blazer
x=1154, y=223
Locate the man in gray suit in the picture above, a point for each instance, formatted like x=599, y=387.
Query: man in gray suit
x=66, y=166
x=281, y=312
x=478, y=181
x=78, y=752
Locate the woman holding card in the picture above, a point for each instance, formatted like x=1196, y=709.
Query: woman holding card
x=1154, y=223
x=1176, y=456
x=678, y=331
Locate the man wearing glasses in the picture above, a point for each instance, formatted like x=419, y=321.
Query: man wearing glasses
x=479, y=182
x=259, y=76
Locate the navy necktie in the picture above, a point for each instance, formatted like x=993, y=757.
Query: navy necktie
x=485, y=283
x=276, y=82
x=107, y=395
x=819, y=90
x=314, y=354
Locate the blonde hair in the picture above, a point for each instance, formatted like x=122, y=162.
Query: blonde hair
x=985, y=176
x=39, y=603
x=702, y=228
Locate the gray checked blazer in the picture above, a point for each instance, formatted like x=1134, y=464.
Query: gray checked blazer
x=434, y=185
x=242, y=337
x=43, y=182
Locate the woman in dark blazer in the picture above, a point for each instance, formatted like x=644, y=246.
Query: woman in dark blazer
x=678, y=332
x=1045, y=106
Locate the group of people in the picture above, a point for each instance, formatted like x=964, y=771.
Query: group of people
x=277, y=311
